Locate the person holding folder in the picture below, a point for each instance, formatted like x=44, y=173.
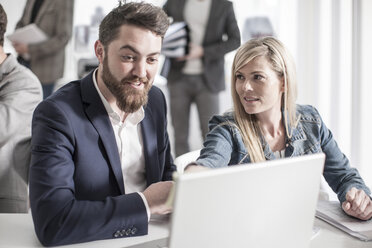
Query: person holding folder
x=199, y=76
x=266, y=124
x=47, y=58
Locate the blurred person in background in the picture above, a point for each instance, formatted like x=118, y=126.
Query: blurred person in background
x=47, y=58
x=199, y=76
x=20, y=92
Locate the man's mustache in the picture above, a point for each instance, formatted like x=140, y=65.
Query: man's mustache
x=143, y=80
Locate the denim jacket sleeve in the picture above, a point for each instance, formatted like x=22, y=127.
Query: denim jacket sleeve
x=218, y=144
x=337, y=171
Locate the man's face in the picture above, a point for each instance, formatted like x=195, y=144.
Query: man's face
x=129, y=66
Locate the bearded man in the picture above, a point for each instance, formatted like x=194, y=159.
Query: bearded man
x=101, y=163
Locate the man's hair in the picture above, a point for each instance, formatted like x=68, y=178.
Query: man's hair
x=140, y=14
x=3, y=23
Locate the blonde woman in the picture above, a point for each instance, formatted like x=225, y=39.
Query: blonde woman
x=267, y=124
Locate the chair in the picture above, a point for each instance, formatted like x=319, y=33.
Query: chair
x=184, y=159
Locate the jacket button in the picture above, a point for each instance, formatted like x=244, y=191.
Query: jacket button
x=134, y=230
x=117, y=234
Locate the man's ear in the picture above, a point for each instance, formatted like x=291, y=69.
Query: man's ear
x=99, y=50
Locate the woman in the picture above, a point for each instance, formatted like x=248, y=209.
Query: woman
x=266, y=124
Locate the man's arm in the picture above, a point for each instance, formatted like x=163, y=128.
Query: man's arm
x=19, y=97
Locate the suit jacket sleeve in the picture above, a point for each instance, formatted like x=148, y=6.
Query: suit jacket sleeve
x=230, y=31
x=57, y=23
x=169, y=166
x=19, y=96
x=59, y=216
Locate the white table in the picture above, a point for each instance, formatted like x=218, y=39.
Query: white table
x=16, y=230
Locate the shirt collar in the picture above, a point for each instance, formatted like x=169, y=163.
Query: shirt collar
x=133, y=118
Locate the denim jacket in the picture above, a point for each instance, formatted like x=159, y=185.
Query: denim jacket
x=224, y=146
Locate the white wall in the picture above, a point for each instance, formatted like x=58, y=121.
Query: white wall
x=14, y=10
x=365, y=121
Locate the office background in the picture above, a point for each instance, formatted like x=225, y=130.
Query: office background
x=329, y=40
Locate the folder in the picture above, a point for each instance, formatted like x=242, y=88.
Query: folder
x=176, y=40
x=331, y=212
x=28, y=35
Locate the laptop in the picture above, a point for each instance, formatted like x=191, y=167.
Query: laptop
x=267, y=204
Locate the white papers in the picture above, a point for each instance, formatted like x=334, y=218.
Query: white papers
x=331, y=212
x=176, y=40
x=28, y=35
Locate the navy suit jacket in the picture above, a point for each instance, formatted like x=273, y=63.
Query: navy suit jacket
x=77, y=192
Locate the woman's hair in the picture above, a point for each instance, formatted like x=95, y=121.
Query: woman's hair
x=282, y=63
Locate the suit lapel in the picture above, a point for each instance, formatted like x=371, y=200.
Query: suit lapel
x=213, y=15
x=150, y=148
x=99, y=118
x=42, y=9
x=179, y=16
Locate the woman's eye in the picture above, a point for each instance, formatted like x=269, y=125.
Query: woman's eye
x=239, y=76
x=258, y=77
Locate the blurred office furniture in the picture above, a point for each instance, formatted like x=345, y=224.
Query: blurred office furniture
x=17, y=230
x=255, y=27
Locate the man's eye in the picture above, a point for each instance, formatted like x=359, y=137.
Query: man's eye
x=152, y=60
x=127, y=58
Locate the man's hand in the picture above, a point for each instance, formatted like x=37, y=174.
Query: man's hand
x=195, y=168
x=195, y=52
x=20, y=48
x=358, y=204
x=156, y=195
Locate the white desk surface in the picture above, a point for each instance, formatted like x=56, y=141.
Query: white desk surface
x=16, y=230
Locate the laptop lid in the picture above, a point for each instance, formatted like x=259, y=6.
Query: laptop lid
x=268, y=204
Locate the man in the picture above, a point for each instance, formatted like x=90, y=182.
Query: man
x=47, y=59
x=199, y=76
x=20, y=92
x=100, y=147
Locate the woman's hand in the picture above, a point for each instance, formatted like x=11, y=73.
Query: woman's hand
x=358, y=204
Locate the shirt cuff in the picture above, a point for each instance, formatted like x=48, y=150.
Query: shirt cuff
x=146, y=205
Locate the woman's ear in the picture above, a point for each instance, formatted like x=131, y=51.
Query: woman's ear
x=282, y=88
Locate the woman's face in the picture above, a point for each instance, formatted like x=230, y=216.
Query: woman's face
x=259, y=87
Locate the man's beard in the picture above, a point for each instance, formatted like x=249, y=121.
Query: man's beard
x=128, y=99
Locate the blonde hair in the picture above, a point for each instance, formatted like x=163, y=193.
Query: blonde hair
x=283, y=64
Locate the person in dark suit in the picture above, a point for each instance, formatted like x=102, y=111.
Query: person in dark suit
x=101, y=159
x=47, y=58
x=199, y=76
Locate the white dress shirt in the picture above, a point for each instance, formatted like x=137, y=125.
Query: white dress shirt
x=130, y=147
x=196, y=15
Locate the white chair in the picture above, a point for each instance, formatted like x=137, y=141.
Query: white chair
x=184, y=159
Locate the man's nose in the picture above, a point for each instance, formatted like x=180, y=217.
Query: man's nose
x=139, y=69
